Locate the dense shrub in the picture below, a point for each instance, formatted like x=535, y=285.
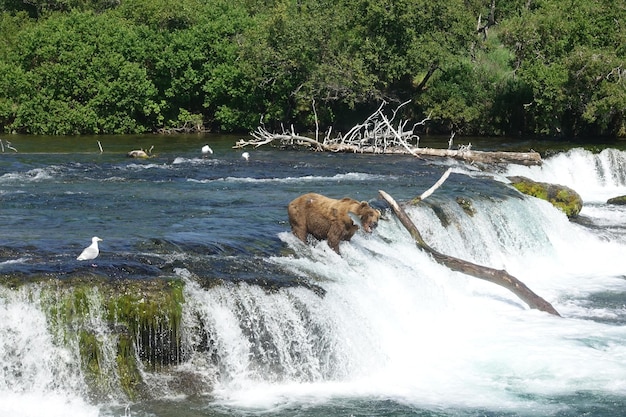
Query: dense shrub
x=542, y=67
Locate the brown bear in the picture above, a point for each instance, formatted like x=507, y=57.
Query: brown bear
x=328, y=218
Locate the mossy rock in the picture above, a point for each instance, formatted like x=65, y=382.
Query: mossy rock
x=466, y=205
x=121, y=327
x=621, y=200
x=560, y=196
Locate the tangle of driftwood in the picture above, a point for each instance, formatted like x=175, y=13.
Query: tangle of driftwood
x=382, y=134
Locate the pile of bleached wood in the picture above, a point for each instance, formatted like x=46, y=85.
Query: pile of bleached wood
x=381, y=134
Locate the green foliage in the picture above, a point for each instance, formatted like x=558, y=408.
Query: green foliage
x=468, y=95
x=570, y=55
x=103, y=66
x=80, y=73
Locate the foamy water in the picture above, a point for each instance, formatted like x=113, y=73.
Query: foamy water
x=596, y=177
x=37, y=377
x=395, y=333
x=405, y=328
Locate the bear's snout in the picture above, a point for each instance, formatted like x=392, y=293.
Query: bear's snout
x=370, y=226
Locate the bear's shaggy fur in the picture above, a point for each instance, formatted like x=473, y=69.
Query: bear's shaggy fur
x=327, y=218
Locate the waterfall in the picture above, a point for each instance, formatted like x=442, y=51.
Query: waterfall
x=390, y=322
x=595, y=176
x=37, y=370
x=393, y=323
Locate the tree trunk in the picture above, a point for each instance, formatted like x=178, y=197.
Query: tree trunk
x=521, y=158
x=499, y=277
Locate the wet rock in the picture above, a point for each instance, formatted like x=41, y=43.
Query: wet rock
x=560, y=196
x=466, y=205
x=122, y=328
x=621, y=200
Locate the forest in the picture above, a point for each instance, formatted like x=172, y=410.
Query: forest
x=546, y=68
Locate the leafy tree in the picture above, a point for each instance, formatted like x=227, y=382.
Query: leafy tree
x=44, y=7
x=161, y=15
x=84, y=75
x=102, y=66
x=569, y=54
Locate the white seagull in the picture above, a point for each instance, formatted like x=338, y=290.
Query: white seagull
x=245, y=156
x=91, y=251
x=207, y=149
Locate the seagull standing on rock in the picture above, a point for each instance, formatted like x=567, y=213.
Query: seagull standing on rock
x=91, y=251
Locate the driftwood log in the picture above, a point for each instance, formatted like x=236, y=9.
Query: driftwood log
x=499, y=277
x=381, y=134
x=520, y=158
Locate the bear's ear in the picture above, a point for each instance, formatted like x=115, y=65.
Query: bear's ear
x=364, y=204
x=356, y=220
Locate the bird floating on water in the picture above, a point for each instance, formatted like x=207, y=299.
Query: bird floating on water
x=245, y=156
x=91, y=251
x=140, y=153
x=206, y=149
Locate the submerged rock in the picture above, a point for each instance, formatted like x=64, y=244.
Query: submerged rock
x=621, y=200
x=466, y=205
x=560, y=196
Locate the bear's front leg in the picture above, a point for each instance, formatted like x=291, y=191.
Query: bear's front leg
x=300, y=232
x=334, y=236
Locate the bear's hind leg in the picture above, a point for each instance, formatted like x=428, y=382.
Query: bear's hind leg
x=298, y=227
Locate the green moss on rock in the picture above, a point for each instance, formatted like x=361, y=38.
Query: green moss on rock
x=128, y=372
x=90, y=351
x=119, y=327
x=560, y=196
x=466, y=205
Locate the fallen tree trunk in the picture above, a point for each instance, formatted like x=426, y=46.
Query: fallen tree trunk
x=380, y=134
x=499, y=277
x=521, y=158
x=263, y=137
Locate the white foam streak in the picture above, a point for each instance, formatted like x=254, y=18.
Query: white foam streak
x=14, y=261
x=351, y=176
x=34, y=175
x=142, y=167
x=48, y=405
x=179, y=160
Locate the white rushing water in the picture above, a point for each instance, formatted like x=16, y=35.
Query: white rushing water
x=37, y=376
x=393, y=324
x=596, y=177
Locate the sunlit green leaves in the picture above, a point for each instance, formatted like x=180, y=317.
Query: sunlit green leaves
x=570, y=53
x=85, y=75
x=547, y=66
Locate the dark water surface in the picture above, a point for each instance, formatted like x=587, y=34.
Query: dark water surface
x=59, y=192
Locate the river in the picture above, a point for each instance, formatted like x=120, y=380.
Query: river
x=394, y=334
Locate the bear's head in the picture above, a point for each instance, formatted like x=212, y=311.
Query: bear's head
x=368, y=216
